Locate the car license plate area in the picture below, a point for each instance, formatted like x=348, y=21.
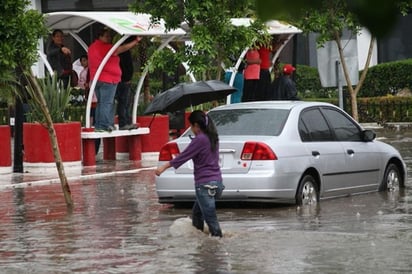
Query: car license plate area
x=226, y=160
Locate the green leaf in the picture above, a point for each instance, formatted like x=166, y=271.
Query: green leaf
x=56, y=95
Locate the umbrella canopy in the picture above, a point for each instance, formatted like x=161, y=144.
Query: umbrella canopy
x=186, y=95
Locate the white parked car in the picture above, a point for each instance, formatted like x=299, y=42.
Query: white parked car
x=288, y=152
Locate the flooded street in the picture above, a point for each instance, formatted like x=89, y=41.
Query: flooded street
x=117, y=226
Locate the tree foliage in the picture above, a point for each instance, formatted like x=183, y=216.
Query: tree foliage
x=330, y=18
x=214, y=38
x=379, y=16
x=19, y=35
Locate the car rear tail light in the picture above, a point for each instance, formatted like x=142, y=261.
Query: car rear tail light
x=168, y=152
x=257, y=151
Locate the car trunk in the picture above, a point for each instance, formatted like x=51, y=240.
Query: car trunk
x=230, y=149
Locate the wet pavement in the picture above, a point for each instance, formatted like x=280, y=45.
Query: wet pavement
x=117, y=226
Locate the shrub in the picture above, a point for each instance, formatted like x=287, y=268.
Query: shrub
x=387, y=78
x=56, y=97
x=308, y=84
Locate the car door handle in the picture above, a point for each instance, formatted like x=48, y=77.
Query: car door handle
x=350, y=151
x=227, y=150
x=315, y=153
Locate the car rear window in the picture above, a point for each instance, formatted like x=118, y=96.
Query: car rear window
x=268, y=122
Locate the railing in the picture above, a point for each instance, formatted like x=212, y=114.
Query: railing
x=384, y=111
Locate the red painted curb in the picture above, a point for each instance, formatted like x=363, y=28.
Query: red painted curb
x=5, y=146
x=37, y=146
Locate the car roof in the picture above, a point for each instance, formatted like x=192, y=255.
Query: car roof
x=288, y=105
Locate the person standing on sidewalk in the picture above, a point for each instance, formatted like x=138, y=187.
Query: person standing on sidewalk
x=60, y=58
x=123, y=91
x=251, y=75
x=204, y=152
x=109, y=78
x=264, y=75
x=84, y=74
x=284, y=88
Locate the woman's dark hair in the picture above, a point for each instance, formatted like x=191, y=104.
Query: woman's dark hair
x=102, y=31
x=56, y=31
x=206, y=125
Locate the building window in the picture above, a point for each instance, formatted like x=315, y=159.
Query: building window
x=84, y=5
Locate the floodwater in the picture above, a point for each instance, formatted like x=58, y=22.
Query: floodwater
x=117, y=226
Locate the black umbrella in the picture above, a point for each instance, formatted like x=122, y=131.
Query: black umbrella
x=186, y=95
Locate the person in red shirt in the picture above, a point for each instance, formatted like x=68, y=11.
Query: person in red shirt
x=110, y=76
x=251, y=75
x=264, y=77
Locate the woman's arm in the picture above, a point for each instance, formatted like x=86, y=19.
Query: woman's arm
x=195, y=146
x=128, y=46
x=162, y=168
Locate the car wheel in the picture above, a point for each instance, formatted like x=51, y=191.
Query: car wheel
x=308, y=193
x=392, y=180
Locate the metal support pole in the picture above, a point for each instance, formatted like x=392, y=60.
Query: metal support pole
x=339, y=84
x=18, y=136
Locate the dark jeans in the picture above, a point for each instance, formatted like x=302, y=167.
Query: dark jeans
x=204, y=208
x=105, y=93
x=123, y=98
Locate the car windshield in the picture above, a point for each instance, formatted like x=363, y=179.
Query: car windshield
x=267, y=122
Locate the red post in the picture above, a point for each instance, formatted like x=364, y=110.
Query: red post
x=135, y=147
x=109, y=148
x=89, y=150
x=122, y=145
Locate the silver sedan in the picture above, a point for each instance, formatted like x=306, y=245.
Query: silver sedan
x=288, y=152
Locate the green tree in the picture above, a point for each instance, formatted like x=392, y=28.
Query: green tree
x=19, y=34
x=215, y=39
x=329, y=18
x=21, y=30
x=379, y=16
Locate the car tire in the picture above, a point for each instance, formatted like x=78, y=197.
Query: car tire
x=392, y=181
x=308, y=191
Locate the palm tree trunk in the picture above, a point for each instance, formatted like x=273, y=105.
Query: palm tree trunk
x=53, y=140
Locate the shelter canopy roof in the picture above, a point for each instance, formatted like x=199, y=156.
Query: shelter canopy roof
x=274, y=26
x=129, y=23
x=123, y=22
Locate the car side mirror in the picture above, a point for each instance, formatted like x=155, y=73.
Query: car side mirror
x=368, y=135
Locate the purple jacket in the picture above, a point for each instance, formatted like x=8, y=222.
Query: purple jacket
x=206, y=162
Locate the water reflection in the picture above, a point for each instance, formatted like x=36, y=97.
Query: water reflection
x=117, y=226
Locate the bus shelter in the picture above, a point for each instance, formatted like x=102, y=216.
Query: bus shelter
x=125, y=23
x=128, y=24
